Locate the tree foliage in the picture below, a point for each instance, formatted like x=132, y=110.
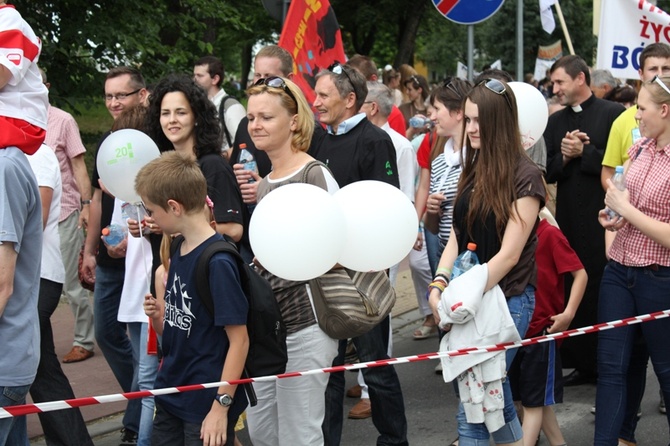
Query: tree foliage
x=84, y=38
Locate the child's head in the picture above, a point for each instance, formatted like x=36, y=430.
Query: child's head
x=172, y=177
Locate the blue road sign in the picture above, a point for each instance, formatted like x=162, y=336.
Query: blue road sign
x=468, y=12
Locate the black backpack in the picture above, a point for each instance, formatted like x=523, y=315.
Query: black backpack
x=267, y=332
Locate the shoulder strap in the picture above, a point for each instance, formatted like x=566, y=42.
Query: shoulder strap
x=222, y=117
x=308, y=167
x=202, y=270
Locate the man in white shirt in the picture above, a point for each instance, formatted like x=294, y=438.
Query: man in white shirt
x=208, y=73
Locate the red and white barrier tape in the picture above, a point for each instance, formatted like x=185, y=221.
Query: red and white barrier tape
x=25, y=409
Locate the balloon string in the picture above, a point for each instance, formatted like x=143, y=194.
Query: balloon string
x=144, y=257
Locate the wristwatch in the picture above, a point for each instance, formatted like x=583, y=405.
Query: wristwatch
x=83, y=202
x=224, y=399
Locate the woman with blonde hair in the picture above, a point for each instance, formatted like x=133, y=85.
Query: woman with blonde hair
x=636, y=279
x=290, y=411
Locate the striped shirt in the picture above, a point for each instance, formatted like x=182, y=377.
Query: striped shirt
x=648, y=182
x=63, y=137
x=445, y=170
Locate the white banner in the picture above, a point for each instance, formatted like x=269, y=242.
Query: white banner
x=546, y=56
x=626, y=26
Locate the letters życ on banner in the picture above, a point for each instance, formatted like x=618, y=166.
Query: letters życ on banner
x=626, y=27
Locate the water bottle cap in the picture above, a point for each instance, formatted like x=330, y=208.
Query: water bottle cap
x=619, y=169
x=105, y=231
x=472, y=246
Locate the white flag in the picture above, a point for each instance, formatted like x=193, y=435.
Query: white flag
x=547, y=15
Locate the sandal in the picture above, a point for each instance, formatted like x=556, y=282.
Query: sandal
x=424, y=331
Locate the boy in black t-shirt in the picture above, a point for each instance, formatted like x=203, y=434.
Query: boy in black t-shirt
x=197, y=347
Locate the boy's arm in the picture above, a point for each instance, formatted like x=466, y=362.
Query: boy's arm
x=562, y=320
x=213, y=430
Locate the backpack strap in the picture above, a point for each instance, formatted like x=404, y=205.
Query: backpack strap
x=202, y=271
x=223, y=108
x=202, y=267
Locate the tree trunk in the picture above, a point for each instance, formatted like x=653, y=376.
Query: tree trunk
x=408, y=34
x=246, y=64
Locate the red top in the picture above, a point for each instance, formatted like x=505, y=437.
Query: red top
x=554, y=258
x=397, y=121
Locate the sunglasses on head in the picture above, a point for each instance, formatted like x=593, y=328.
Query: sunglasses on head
x=658, y=80
x=449, y=84
x=498, y=88
x=338, y=69
x=414, y=80
x=276, y=82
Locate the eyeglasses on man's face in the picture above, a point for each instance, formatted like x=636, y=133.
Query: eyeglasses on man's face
x=120, y=96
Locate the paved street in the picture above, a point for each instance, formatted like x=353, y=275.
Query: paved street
x=430, y=403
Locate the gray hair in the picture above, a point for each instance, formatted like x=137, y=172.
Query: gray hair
x=350, y=81
x=601, y=78
x=382, y=95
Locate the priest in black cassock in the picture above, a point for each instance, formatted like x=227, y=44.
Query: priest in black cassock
x=576, y=138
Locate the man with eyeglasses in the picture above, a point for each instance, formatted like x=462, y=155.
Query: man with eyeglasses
x=354, y=149
x=105, y=266
x=576, y=138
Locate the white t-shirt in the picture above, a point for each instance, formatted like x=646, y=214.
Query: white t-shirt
x=138, y=273
x=47, y=171
x=406, y=161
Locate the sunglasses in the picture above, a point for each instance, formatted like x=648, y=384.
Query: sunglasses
x=498, y=88
x=658, y=80
x=276, y=82
x=414, y=80
x=448, y=84
x=338, y=69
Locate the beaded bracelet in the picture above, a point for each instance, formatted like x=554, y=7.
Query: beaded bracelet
x=442, y=277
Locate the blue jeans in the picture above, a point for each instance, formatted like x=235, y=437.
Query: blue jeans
x=388, y=406
x=13, y=430
x=521, y=309
x=625, y=292
x=112, y=337
x=146, y=376
x=434, y=250
x=51, y=384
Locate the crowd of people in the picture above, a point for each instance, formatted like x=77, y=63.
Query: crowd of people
x=454, y=150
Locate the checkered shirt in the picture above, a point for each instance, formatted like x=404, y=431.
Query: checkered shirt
x=648, y=182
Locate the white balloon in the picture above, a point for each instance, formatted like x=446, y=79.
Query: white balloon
x=381, y=225
x=533, y=112
x=121, y=155
x=297, y=231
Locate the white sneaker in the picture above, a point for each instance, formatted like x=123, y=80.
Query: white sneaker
x=438, y=368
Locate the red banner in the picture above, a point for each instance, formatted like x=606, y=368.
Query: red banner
x=313, y=37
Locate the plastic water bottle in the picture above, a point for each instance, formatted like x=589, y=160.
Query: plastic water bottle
x=619, y=181
x=248, y=160
x=113, y=234
x=419, y=121
x=465, y=260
